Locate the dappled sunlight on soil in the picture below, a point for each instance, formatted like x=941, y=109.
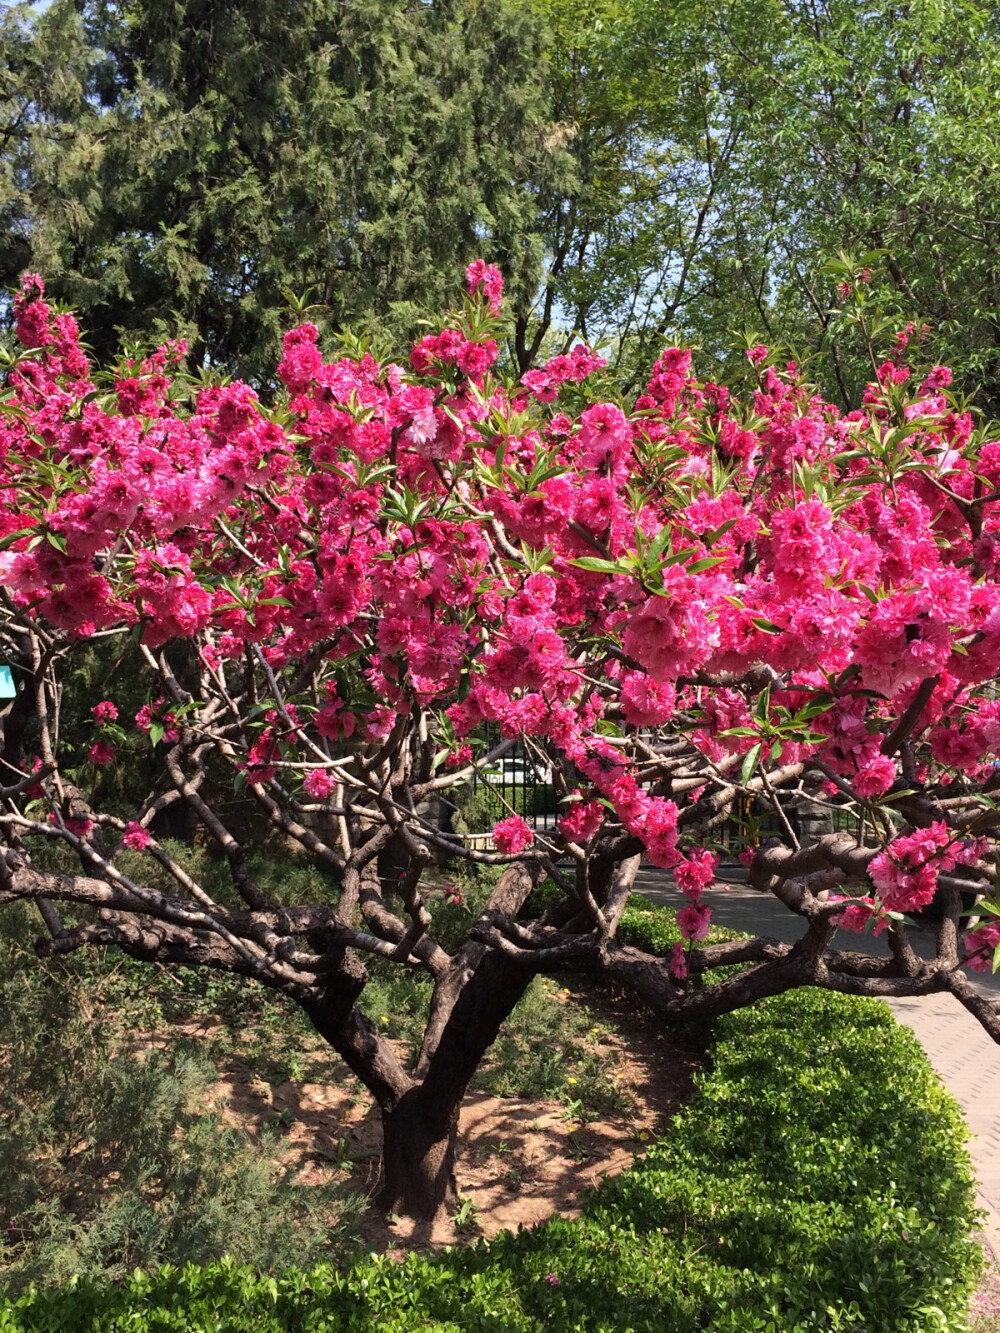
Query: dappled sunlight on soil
x=519, y=1161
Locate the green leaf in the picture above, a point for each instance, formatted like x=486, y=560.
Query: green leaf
x=599, y=566
x=710, y=538
x=13, y=537
x=750, y=761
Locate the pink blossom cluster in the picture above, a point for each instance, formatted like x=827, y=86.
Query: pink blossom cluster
x=442, y=542
x=488, y=279
x=905, y=874
x=980, y=947
x=857, y=915
x=582, y=820
x=571, y=367
x=512, y=835
x=693, y=874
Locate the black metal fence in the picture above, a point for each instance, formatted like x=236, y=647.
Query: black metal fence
x=519, y=783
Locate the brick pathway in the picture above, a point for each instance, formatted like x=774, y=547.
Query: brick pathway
x=965, y=1058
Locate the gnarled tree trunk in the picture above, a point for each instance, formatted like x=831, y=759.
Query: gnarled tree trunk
x=420, y=1130
x=474, y=996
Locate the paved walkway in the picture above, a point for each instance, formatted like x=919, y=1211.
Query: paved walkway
x=965, y=1058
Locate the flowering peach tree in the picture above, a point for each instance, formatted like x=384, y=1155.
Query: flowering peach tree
x=693, y=609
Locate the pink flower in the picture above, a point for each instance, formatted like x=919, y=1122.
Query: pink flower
x=939, y=378
x=158, y=712
x=319, y=783
x=476, y=358
x=332, y=720
x=876, y=776
x=459, y=758
x=581, y=821
x=906, y=873
x=489, y=278
x=302, y=360
x=645, y=703
x=105, y=711
x=136, y=837
x=695, y=874
x=101, y=753
x=32, y=314
x=671, y=634
x=694, y=921
x=512, y=835
x=805, y=550
x=659, y=831
x=80, y=827
x=540, y=385
x=678, y=962
x=980, y=946
x=857, y=915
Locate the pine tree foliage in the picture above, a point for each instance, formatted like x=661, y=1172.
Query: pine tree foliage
x=224, y=154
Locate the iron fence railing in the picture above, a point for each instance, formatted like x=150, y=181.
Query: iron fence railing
x=517, y=783
x=520, y=783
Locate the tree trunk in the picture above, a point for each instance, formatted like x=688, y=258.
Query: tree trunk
x=418, y=1157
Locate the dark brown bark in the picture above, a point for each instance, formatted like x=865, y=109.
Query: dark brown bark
x=418, y=1156
x=507, y=899
x=355, y=1038
x=420, y=1131
x=473, y=1000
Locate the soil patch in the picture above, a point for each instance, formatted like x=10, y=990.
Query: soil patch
x=519, y=1161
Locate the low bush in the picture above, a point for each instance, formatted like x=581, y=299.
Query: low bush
x=109, y=1156
x=818, y=1182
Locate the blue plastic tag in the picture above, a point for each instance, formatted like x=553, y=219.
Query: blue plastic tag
x=8, y=690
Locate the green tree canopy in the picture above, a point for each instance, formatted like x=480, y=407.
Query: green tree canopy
x=182, y=163
x=726, y=149
x=641, y=170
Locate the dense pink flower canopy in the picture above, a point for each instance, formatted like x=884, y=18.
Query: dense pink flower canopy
x=778, y=582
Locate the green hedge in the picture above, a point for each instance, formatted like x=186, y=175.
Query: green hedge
x=819, y=1182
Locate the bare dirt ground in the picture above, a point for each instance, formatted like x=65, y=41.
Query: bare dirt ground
x=518, y=1163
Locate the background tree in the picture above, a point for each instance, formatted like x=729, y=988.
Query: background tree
x=42, y=96
x=221, y=155
x=636, y=168
x=652, y=142
x=725, y=152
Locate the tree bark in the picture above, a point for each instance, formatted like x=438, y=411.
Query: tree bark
x=420, y=1130
x=418, y=1155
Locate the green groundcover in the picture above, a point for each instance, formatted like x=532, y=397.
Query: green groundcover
x=818, y=1181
